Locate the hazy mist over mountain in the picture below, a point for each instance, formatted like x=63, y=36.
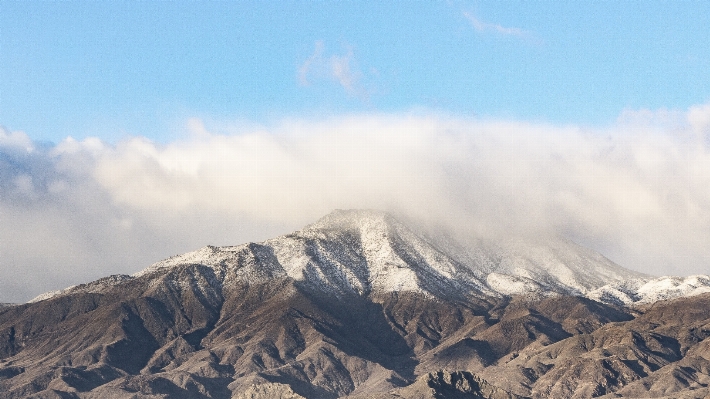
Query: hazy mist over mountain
x=637, y=190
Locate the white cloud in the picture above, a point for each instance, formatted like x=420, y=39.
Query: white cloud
x=638, y=191
x=15, y=140
x=338, y=68
x=483, y=27
x=699, y=119
x=314, y=61
x=342, y=71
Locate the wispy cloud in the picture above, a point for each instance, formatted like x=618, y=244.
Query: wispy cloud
x=338, y=68
x=482, y=26
x=315, y=61
x=639, y=191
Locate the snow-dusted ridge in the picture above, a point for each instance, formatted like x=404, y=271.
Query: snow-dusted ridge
x=362, y=252
x=92, y=287
x=208, y=256
x=643, y=291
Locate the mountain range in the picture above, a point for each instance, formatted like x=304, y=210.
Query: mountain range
x=362, y=305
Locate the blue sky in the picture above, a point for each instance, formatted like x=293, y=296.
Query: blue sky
x=117, y=69
x=131, y=131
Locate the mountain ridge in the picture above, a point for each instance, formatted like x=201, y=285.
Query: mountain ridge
x=364, y=250
x=358, y=305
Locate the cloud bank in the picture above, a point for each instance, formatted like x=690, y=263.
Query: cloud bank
x=638, y=191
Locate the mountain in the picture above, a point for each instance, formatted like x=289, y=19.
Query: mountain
x=364, y=252
x=362, y=305
x=646, y=290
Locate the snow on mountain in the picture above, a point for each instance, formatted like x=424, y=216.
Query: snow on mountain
x=208, y=256
x=92, y=287
x=50, y=294
x=362, y=252
x=517, y=266
x=642, y=291
x=365, y=251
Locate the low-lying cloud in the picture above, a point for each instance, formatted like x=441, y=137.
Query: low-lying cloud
x=638, y=191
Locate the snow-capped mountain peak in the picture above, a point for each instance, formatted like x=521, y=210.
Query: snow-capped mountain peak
x=364, y=251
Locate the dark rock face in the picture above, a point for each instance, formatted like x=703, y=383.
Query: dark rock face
x=165, y=335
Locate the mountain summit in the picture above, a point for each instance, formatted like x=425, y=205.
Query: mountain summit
x=360, y=304
x=365, y=251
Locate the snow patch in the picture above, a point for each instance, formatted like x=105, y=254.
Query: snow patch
x=98, y=286
x=642, y=291
x=512, y=285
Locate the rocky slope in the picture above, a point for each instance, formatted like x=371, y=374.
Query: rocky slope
x=360, y=305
